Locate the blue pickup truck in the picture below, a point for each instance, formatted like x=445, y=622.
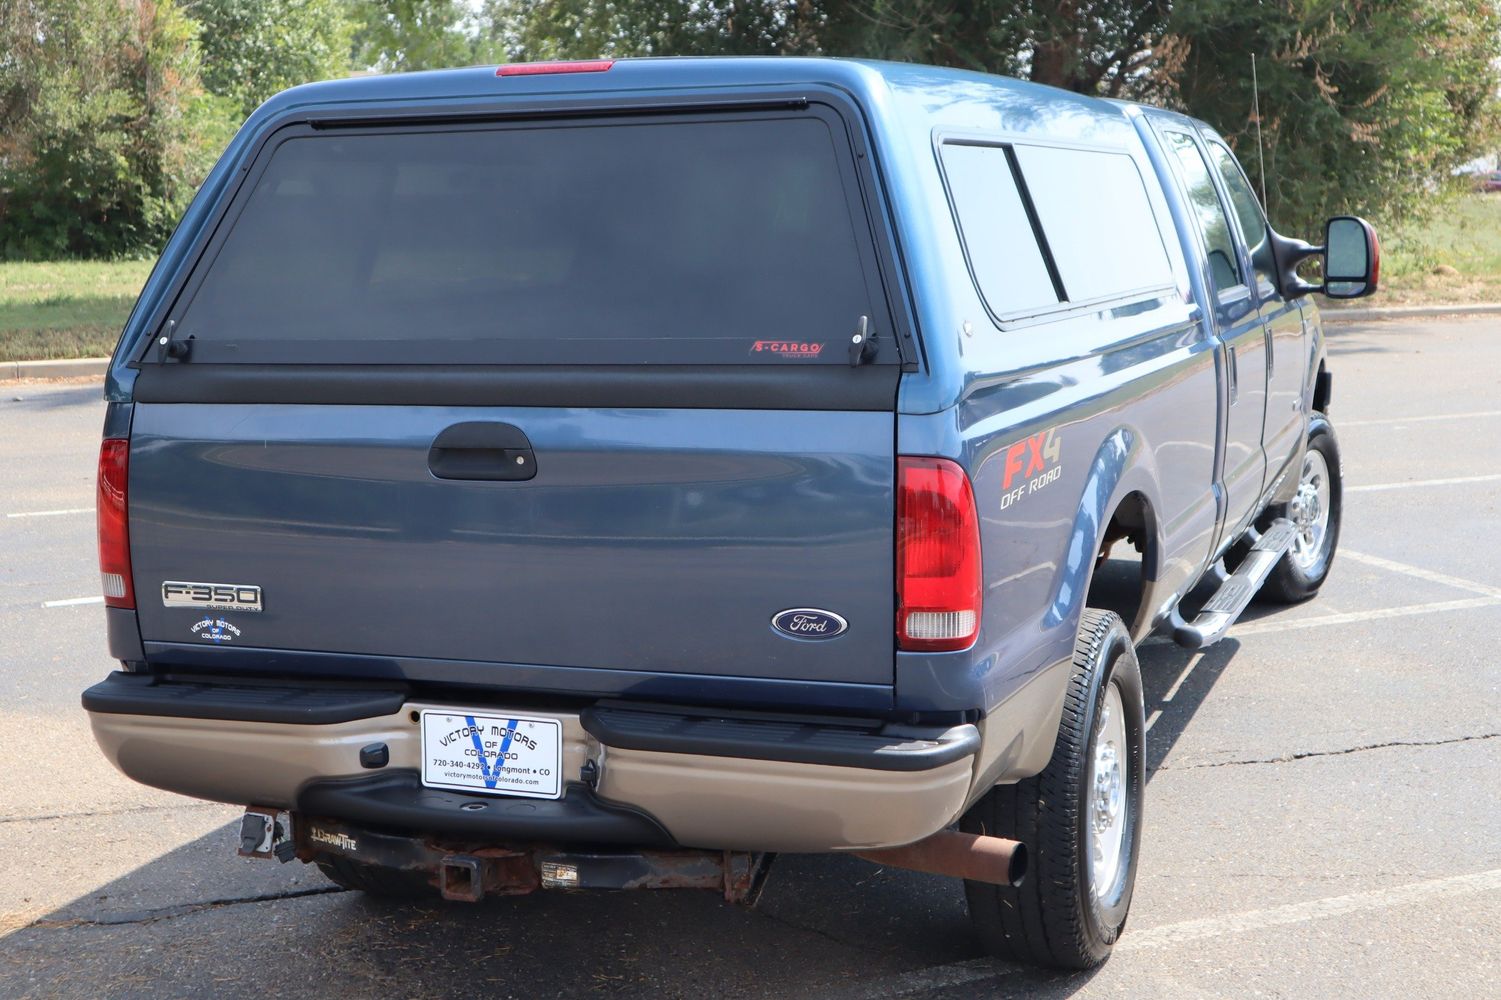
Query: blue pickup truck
x=610, y=474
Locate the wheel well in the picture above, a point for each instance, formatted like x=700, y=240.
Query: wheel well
x=1122, y=573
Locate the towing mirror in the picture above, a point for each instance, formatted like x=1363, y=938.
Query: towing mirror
x=1352, y=258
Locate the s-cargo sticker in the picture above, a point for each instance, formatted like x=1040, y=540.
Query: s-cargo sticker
x=787, y=348
x=215, y=630
x=216, y=596
x=1031, y=464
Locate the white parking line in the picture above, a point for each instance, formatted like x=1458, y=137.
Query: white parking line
x=977, y=970
x=1420, y=483
x=1420, y=420
x=53, y=513
x=70, y=601
x=1423, y=574
x=1188, y=668
x=1315, y=909
x=1354, y=617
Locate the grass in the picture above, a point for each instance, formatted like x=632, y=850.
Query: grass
x=1452, y=257
x=75, y=309
x=65, y=309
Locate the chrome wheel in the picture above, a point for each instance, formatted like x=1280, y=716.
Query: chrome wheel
x=1309, y=511
x=1108, y=802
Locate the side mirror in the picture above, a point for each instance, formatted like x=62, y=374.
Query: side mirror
x=1352, y=258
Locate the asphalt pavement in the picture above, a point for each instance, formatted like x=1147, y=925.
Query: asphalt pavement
x=1323, y=813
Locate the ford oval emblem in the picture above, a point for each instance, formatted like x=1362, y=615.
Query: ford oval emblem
x=808, y=623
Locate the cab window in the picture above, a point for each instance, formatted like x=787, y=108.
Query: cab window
x=1253, y=224
x=1219, y=243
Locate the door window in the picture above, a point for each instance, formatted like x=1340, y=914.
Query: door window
x=1253, y=224
x=1219, y=243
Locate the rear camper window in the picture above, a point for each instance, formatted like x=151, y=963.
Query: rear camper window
x=1004, y=253
x=1050, y=228
x=726, y=241
x=1097, y=220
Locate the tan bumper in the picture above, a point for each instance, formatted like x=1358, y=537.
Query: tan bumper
x=702, y=801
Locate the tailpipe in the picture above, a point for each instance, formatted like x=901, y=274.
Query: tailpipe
x=995, y=860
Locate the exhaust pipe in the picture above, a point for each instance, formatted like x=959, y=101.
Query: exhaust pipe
x=961, y=855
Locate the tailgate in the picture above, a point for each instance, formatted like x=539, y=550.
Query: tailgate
x=650, y=540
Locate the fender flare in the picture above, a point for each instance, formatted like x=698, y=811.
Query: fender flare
x=1121, y=466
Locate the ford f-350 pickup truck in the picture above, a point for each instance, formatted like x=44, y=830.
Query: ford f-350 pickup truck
x=607, y=474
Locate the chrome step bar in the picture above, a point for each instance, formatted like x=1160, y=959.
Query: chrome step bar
x=1236, y=590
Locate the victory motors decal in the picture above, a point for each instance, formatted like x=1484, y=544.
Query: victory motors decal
x=1031, y=464
x=215, y=630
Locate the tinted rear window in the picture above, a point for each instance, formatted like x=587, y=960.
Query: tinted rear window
x=727, y=241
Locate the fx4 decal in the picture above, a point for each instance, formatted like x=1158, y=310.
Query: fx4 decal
x=1031, y=464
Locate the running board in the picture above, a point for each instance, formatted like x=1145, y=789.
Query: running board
x=1236, y=590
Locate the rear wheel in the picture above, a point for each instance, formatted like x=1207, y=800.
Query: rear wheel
x=1080, y=818
x=390, y=883
x=1315, y=512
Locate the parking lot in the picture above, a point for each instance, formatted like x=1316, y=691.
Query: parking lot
x=1323, y=814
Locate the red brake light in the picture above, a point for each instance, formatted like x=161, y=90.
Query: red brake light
x=542, y=68
x=939, y=595
x=114, y=535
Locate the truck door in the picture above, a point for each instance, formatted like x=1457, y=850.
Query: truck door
x=1287, y=347
x=1237, y=322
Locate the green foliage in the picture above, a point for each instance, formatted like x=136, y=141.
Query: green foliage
x=1093, y=47
x=254, y=48
x=1088, y=46
x=582, y=29
x=104, y=130
x=1365, y=107
x=398, y=35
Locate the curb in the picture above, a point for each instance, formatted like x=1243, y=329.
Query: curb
x=1406, y=312
x=70, y=368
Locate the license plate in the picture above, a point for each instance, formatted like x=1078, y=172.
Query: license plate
x=492, y=754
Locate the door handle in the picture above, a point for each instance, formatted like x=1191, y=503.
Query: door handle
x=1233, y=369
x=482, y=450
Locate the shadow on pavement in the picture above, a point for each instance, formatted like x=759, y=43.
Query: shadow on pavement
x=198, y=921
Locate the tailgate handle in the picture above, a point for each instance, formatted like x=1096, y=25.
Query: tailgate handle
x=482, y=450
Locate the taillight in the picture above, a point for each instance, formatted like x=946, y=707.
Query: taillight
x=114, y=534
x=937, y=556
x=545, y=68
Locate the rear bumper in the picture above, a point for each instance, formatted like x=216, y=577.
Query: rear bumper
x=662, y=776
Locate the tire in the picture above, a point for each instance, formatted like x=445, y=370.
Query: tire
x=1301, y=572
x=1057, y=917
x=388, y=883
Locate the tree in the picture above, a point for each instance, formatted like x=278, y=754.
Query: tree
x=577, y=29
x=1365, y=106
x=252, y=49
x=1092, y=46
x=105, y=131
x=1088, y=46
x=399, y=35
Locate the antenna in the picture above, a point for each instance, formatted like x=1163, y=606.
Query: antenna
x=1260, y=148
